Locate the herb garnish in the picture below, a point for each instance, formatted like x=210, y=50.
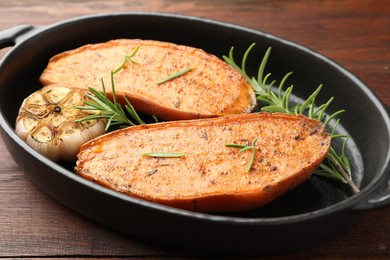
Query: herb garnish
x=151, y=172
x=127, y=58
x=111, y=110
x=173, y=76
x=164, y=154
x=244, y=148
x=338, y=166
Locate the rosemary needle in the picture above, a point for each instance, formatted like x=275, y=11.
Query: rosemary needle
x=164, y=154
x=127, y=58
x=245, y=148
x=173, y=76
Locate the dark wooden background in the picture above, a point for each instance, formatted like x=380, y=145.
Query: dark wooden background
x=355, y=33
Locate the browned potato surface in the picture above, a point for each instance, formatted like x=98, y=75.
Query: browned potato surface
x=211, y=88
x=210, y=176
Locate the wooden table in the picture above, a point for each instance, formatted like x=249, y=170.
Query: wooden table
x=355, y=33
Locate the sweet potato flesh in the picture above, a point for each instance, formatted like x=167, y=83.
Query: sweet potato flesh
x=211, y=88
x=210, y=176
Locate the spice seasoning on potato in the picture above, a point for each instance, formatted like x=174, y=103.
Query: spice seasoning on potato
x=204, y=174
x=210, y=87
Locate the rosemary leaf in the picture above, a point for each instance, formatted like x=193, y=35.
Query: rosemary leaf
x=173, y=76
x=88, y=118
x=235, y=145
x=155, y=119
x=253, y=155
x=164, y=154
x=251, y=161
x=130, y=109
x=249, y=147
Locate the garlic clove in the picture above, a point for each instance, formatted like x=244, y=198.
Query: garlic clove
x=42, y=139
x=25, y=125
x=56, y=94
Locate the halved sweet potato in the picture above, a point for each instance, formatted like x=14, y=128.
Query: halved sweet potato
x=210, y=176
x=211, y=88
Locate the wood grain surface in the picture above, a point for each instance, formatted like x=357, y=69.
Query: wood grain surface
x=354, y=33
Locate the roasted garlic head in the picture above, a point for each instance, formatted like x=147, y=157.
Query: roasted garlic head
x=46, y=121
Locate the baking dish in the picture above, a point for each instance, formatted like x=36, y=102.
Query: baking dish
x=315, y=211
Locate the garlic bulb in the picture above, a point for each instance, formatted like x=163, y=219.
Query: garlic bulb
x=46, y=122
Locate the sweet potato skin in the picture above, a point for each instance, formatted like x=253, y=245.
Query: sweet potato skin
x=210, y=177
x=212, y=88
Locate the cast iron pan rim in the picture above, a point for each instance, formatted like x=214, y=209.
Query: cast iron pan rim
x=345, y=204
x=177, y=16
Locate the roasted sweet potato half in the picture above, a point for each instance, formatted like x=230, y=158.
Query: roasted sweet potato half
x=205, y=172
x=209, y=88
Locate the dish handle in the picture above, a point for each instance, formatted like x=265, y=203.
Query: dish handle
x=11, y=36
x=380, y=199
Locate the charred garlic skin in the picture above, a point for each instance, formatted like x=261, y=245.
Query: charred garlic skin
x=46, y=122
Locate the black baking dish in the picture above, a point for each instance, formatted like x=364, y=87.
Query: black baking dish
x=313, y=212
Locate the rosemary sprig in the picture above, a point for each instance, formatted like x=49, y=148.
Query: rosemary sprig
x=278, y=100
x=173, y=76
x=127, y=58
x=164, y=154
x=110, y=110
x=245, y=148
